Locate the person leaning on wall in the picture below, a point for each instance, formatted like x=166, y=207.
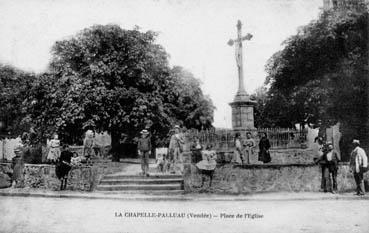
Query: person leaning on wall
x=18, y=167
x=319, y=160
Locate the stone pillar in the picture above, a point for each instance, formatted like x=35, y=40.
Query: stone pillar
x=242, y=112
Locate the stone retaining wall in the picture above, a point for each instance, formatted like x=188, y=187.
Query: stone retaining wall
x=42, y=176
x=236, y=179
x=283, y=156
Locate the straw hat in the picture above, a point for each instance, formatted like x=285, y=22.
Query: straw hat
x=355, y=141
x=18, y=148
x=144, y=131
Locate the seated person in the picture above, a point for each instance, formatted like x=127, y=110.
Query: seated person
x=76, y=160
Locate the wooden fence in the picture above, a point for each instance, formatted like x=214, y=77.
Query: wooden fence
x=224, y=139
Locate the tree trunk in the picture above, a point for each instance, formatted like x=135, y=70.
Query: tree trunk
x=115, y=143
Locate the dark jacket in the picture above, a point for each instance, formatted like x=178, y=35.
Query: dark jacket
x=196, y=152
x=333, y=164
x=144, y=144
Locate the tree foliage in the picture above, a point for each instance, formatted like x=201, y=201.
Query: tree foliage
x=14, y=84
x=106, y=78
x=321, y=74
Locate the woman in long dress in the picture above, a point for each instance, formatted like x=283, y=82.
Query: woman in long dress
x=54, y=149
x=88, y=144
x=249, y=149
x=237, y=154
x=264, y=146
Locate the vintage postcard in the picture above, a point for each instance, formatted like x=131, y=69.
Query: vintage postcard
x=184, y=116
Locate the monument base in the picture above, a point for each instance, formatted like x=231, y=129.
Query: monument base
x=242, y=112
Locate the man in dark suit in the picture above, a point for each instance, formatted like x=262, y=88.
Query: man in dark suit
x=329, y=162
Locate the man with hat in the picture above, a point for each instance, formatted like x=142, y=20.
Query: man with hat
x=358, y=165
x=329, y=162
x=144, y=150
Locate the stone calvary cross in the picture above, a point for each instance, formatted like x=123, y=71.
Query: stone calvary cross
x=242, y=105
x=239, y=57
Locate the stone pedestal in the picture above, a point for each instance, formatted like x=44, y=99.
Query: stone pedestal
x=242, y=112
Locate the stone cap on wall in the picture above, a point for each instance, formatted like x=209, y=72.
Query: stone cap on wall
x=277, y=166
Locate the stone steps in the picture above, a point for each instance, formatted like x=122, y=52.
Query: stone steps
x=155, y=184
x=139, y=181
x=140, y=177
x=145, y=187
x=143, y=192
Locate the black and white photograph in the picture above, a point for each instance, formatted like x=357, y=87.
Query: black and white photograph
x=151, y=116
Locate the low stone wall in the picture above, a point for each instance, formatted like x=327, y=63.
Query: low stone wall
x=301, y=156
x=42, y=176
x=237, y=179
x=282, y=156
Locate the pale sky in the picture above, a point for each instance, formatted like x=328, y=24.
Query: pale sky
x=194, y=32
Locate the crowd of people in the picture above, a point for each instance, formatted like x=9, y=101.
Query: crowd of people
x=202, y=156
x=166, y=161
x=59, y=155
x=169, y=160
x=90, y=148
x=245, y=150
x=328, y=160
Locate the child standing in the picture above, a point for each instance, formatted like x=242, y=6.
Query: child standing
x=161, y=162
x=196, y=148
x=144, y=150
x=207, y=165
x=64, y=166
x=54, y=150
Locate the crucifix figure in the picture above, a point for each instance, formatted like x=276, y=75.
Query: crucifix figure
x=238, y=45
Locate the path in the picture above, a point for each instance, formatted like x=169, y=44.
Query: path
x=85, y=215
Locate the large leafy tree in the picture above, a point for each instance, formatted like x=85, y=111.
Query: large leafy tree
x=191, y=107
x=109, y=79
x=321, y=76
x=14, y=84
